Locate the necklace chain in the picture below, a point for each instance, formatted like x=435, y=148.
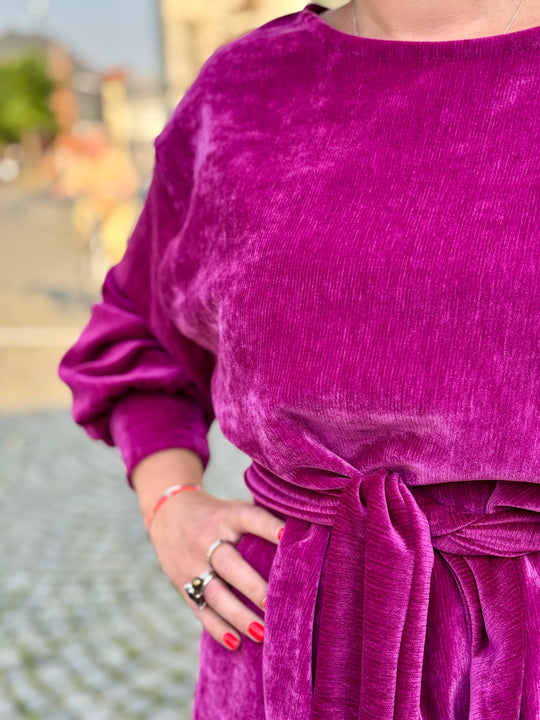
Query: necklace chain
x=514, y=16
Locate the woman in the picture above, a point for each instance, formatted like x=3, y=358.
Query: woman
x=339, y=258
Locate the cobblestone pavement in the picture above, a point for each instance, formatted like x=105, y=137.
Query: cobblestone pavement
x=89, y=626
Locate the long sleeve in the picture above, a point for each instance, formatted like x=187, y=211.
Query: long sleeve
x=137, y=381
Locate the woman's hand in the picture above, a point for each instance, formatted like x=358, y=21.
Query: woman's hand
x=184, y=529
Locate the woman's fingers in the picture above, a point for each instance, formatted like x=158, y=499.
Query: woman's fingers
x=255, y=520
x=220, y=630
x=225, y=617
x=231, y=566
x=233, y=611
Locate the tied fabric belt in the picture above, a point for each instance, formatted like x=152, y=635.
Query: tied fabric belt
x=375, y=541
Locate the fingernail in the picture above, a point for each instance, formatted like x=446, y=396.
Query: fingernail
x=230, y=641
x=280, y=533
x=264, y=604
x=256, y=631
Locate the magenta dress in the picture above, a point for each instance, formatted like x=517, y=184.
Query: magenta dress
x=339, y=259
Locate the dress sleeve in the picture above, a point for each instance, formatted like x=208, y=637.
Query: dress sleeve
x=137, y=381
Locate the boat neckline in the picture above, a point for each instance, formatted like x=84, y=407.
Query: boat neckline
x=520, y=40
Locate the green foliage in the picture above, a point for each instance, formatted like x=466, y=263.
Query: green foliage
x=25, y=90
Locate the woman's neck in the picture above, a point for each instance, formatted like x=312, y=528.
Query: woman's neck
x=434, y=19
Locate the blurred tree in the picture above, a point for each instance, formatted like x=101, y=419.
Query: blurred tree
x=25, y=90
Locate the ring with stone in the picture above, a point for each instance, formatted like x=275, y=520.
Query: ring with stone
x=213, y=547
x=195, y=588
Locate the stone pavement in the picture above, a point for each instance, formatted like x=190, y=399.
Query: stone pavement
x=90, y=628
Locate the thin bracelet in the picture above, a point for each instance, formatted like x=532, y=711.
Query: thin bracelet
x=165, y=495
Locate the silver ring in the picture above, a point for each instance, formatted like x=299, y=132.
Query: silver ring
x=212, y=549
x=195, y=588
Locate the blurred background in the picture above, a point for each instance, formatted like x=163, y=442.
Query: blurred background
x=89, y=626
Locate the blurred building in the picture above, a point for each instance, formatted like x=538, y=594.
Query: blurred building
x=192, y=31
x=13, y=45
x=77, y=92
x=134, y=113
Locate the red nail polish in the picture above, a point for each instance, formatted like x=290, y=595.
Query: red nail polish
x=256, y=631
x=230, y=641
x=264, y=604
x=280, y=533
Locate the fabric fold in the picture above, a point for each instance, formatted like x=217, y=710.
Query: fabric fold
x=287, y=657
x=387, y=648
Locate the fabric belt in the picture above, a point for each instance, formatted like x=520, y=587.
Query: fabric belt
x=375, y=540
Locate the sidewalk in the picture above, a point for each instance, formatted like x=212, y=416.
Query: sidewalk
x=90, y=628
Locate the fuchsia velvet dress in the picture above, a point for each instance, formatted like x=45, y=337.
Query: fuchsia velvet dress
x=339, y=259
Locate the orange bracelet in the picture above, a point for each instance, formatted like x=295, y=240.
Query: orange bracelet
x=165, y=495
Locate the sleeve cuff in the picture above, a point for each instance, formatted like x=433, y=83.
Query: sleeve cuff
x=144, y=423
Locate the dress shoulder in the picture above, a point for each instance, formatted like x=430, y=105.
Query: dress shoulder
x=265, y=51
x=246, y=79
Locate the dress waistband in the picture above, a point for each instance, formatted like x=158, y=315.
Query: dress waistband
x=505, y=531
x=379, y=553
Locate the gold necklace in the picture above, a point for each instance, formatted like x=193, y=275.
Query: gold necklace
x=355, y=26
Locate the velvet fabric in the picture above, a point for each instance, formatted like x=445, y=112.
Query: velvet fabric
x=339, y=259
